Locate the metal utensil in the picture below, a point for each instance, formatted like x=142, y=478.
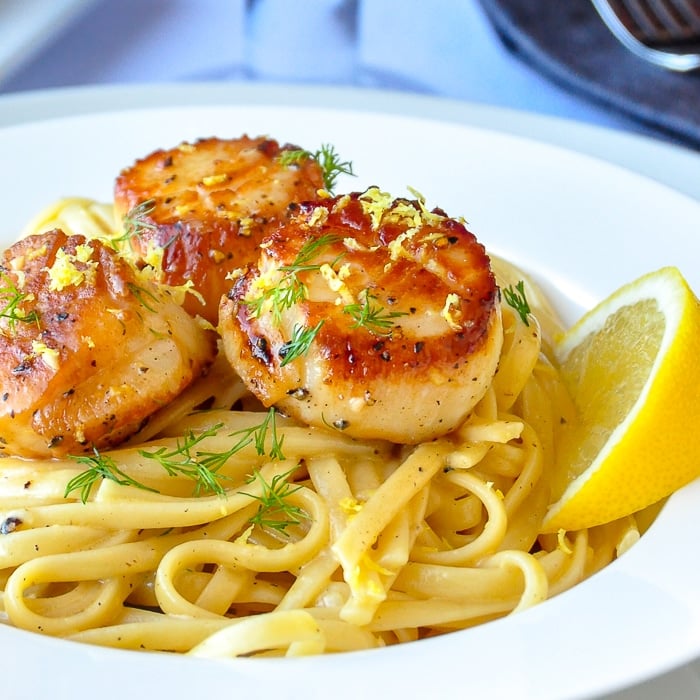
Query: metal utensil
x=664, y=32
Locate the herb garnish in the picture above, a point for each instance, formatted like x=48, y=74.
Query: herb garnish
x=309, y=251
x=142, y=295
x=274, y=510
x=99, y=467
x=371, y=316
x=256, y=434
x=136, y=222
x=290, y=289
x=327, y=158
x=184, y=460
x=300, y=342
x=13, y=298
x=517, y=299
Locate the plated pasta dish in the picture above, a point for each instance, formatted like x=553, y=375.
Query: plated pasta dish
x=248, y=413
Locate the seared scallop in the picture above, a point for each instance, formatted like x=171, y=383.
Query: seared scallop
x=198, y=211
x=88, y=348
x=370, y=314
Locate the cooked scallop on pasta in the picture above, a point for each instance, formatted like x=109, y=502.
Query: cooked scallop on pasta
x=229, y=528
x=199, y=210
x=88, y=349
x=371, y=314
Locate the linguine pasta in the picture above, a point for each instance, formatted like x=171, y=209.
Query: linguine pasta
x=316, y=543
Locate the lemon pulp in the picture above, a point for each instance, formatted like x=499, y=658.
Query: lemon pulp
x=606, y=384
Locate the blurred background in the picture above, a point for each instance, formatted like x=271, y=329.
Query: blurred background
x=551, y=57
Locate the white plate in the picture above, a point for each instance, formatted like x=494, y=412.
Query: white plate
x=582, y=227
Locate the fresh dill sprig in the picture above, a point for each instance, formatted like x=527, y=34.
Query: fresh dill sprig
x=310, y=249
x=13, y=299
x=136, y=222
x=372, y=316
x=270, y=424
x=284, y=295
x=299, y=343
x=142, y=295
x=327, y=157
x=257, y=435
x=275, y=511
x=184, y=460
x=517, y=299
x=99, y=467
x=332, y=166
x=293, y=156
x=290, y=290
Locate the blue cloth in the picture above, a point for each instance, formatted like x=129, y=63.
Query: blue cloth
x=446, y=48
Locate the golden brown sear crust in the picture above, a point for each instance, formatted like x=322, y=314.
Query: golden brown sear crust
x=88, y=349
x=212, y=203
x=406, y=312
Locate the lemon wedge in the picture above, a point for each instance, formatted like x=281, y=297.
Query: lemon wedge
x=632, y=367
